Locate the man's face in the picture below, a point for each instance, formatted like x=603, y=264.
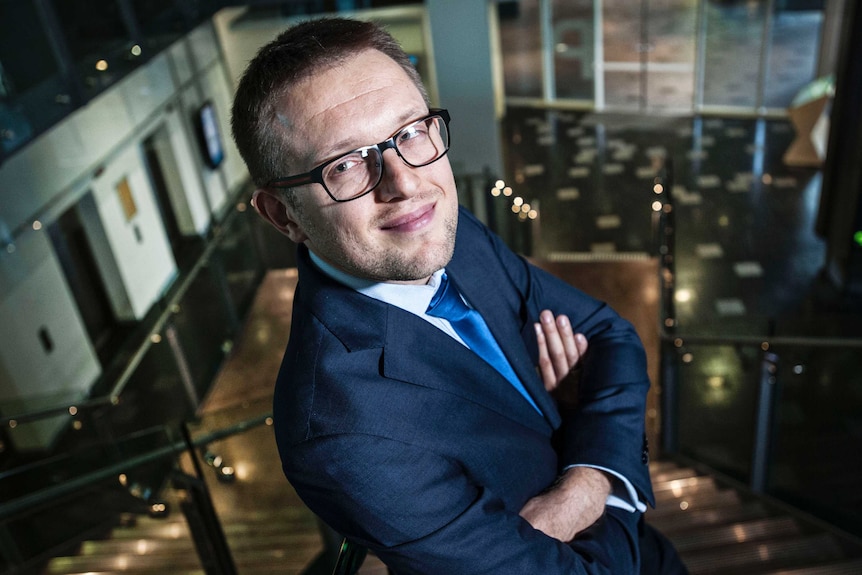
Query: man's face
x=404, y=229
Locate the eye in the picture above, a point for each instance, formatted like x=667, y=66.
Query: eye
x=413, y=132
x=347, y=163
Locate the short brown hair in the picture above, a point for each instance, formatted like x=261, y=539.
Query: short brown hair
x=294, y=55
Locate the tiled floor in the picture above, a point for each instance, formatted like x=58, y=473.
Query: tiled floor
x=747, y=254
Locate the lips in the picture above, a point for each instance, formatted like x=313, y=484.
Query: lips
x=410, y=222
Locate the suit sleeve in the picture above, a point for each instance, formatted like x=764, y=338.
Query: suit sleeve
x=607, y=427
x=421, y=514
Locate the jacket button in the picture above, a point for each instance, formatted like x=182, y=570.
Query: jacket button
x=645, y=452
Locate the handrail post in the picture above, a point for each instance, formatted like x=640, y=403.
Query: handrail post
x=764, y=421
x=207, y=533
x=669, y=361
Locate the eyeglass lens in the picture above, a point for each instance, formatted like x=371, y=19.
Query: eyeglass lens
x=358, y=172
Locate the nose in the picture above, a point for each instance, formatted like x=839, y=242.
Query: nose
x=399, y=181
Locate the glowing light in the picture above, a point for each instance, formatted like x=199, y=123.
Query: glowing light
x=687, y=358
x=123, y=479
x=683, y=505
x=533, y=214
x=77, y=425
x=13, y=424
x=507, y=191
x=500, y=184
x=495, y=192
x=156, y=338
x=857, y=237
x=724, y=221
x=37, y=225
x=658, y=188
x=715, y=382
x=516, y=209
x=525, y=208
x=73, y=410
x=136, y=50
x=102, y=65
x=268, y=421
x=518, y=201
x=656, y=206
x=683, y=295
x=141, y=547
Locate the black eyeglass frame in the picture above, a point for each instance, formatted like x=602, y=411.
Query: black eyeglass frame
x=315, y=176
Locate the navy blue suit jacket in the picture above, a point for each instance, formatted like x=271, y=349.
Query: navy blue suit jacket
x=405, y=441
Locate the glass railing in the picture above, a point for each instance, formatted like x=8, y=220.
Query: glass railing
x=113, y=451
x=774, y=404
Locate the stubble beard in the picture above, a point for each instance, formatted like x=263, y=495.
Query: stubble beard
x=398, y=266
x=389, y=264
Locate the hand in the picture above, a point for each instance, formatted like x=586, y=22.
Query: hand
x=572, y=504
x=560, y=350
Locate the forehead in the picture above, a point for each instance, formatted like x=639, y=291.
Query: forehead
x=359, y=101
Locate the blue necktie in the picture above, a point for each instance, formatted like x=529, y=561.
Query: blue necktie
x=471, y=328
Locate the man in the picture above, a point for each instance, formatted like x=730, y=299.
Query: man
x=389, y=427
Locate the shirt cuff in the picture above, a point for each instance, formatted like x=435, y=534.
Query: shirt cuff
x=623, y=494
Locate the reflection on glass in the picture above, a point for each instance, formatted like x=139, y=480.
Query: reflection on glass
x=793, y=52
x=818, y=429
x=734, y=40
x=521, y=48
x=574, y=51
x=717, y=399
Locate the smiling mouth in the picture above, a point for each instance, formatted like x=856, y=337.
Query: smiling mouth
x=411, y=222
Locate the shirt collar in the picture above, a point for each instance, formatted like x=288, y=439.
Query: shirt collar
x=412, y=298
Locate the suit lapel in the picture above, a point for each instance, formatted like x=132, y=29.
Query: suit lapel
x=419, y=353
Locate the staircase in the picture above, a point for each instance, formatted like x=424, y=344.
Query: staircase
x=716, y=529
x=262, y=543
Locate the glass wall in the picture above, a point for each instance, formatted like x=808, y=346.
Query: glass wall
x=677, y=56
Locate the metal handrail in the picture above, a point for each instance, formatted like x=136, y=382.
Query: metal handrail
x=25, y=502
x=112, y=397
x=761, y=341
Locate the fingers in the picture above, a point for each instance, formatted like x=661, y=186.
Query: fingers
x=546, y=366
x=559, y=348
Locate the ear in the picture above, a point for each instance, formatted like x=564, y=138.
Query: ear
x=272, y=208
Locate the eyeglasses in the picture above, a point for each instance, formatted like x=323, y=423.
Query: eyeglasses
x=356, y=173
